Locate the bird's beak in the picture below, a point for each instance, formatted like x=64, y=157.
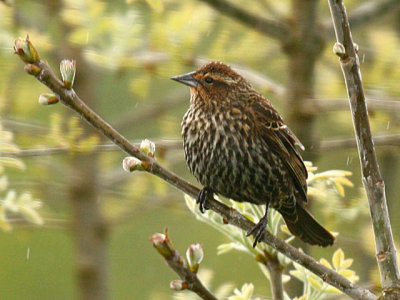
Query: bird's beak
x=187, y=79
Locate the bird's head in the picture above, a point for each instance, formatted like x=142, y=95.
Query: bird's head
x=213, y=82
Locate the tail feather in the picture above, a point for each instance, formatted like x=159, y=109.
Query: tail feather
x=307, y=228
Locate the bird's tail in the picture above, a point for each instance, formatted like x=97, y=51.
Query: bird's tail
x=307, y=228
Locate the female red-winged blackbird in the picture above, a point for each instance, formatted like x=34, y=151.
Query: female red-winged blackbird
x=237, y=145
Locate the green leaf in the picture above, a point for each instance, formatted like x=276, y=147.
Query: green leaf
x=349, y=274
x=337, y=258
x=346, y=263
x=12, y=163
x=298, y=274
x=225, y=248
x=339, y=188
x=315, y=283
x=326, y=263
x=344, y=181
x=332, y=290
x=31, y=215
x=9, y=147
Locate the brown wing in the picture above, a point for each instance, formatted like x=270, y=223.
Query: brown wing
x=282, y=142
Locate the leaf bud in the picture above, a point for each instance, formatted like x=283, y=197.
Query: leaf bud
x=130, y=164
x=339, y=50
x=26, y=51
x=32, y=69
x=48, y=99
x=68, y=70
x=178, y=285
x=148, y=147
x=356, y=47
x=162, y=243
x=194, y=256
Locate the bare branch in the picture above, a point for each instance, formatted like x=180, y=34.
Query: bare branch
x=68, y=97
x=327, y=105
x=161, y=145
x=372, y=179
x=177, y=263
x=271, y=28
x=379, y=140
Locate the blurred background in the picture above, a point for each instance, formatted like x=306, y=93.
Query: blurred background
x=126, y=51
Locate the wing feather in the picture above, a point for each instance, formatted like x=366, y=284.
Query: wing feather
x=282, y=141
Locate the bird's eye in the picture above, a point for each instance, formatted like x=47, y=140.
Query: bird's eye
x=209, y=80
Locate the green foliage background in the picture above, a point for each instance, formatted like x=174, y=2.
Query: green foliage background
x=126, y=51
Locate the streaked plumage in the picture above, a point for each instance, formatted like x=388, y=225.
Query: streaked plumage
x=237, y=145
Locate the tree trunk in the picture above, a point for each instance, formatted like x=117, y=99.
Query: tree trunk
x=303, y=50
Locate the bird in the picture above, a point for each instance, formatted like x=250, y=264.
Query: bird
x=237, y=145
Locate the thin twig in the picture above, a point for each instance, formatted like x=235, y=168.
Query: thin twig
x=161, y=145
x=69, y=98
x=177, y=263
x=271, y=28
x=328, y=105
x=345, y=143
x=372, y=179
x=380, y=139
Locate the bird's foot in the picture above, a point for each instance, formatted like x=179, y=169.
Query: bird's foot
x=204, y=195
x=258, y=230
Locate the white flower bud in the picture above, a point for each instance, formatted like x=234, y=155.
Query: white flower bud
x=178, y=285
x=194, y=256
x=26, y=51
x=148, y=147
x=339, y=50
x=158, y=238
x=130, y=164
x=68, y=70
x=48, y=99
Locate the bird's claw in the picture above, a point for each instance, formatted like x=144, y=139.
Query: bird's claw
x=258, y=231
x=202, y=199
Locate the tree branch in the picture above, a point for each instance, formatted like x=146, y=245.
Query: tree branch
x=271, y=28
x=328, y=105
x=177, y=263
x=68, y=97
x=382, y=139
x=372, y=179
x=161, y=145
x=379, y=140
